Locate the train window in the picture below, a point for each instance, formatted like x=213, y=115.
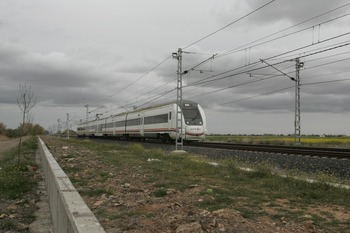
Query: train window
x=133, y=122
x=192, y=116
x=169, y=115
x=120, y=124
x=163, y=118
x=110, y=125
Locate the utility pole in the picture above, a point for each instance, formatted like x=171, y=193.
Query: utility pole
x=297, y=123
x=87, y=117
x=67, y=125
x=179, y=116
x=87, y=112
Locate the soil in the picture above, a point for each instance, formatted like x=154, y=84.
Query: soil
x=6, y=144
x=133, y=207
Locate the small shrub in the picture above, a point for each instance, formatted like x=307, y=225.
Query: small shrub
x=14, y=182
x=136, y=149
x=161, y=192
x=94, y=192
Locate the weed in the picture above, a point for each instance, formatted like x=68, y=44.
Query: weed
x=136, y=149
x=160, y=192
x=95, y=192
x=72, y=169
x=7, y=225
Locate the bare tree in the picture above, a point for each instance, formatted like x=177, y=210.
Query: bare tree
x=26, y=102
x=2, y=128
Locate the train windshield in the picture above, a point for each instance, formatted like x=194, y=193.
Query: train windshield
x=191, y=114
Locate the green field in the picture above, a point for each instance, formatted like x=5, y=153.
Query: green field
x=315, y=141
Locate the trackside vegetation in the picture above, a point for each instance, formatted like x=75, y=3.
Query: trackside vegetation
x=315, y=141
x=17, y=188
x=256, y=193
x=13, y=176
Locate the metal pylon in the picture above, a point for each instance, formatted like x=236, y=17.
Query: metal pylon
x=179, y=133
x=297, y=123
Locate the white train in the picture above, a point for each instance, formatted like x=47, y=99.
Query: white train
x=157, y=122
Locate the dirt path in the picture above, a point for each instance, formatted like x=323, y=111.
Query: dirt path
x=9, y=144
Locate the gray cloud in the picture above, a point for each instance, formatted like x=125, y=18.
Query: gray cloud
x=289, y=11
x=55, y=78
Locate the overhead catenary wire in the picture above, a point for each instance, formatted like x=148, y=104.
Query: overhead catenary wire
x=133, y=82
x=210, y=79
x=242, y=48
x=259, y=8
x=277, y=91
x=233, y=22
x=207, y=37
x=199, y=64
x=317, y=52
x=275, y=76
x=308, y=68
x=327, y=21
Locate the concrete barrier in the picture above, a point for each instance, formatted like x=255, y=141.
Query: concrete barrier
x=69, y=212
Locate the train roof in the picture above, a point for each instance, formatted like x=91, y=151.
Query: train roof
x=156, y=106
x=143, y=109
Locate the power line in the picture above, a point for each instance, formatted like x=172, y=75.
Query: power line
x=280, y=31
x=133, y=82
x=327, y=21
x=289, y=57
x=235, y=21
x=252, y=97
x=322, y=82
x=279, y=90
x=184, y=48
x=255, y=81
x=187, y=47
x=210, y=79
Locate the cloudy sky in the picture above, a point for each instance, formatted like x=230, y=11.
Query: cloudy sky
x=115, y=55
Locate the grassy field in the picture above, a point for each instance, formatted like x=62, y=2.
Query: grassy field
x=255, y=194
x=13, y=176
x=343, y=142
x=17, y=187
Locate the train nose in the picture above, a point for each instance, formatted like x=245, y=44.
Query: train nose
x=195, y=130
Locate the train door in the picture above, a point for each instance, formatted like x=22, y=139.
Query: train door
x=142, y=116
x=169, y=120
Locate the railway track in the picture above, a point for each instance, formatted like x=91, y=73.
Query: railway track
x=338, y=153
x=311, y=151
x=331, y=161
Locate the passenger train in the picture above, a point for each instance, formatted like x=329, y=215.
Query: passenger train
x=156, y=122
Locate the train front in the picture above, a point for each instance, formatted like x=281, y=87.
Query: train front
x=195, y=121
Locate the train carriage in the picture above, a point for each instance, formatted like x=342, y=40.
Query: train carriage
x=153, y=122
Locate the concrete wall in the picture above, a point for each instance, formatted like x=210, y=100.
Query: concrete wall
x=69, y=213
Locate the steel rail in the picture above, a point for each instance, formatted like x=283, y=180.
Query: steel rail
x=338, y=153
